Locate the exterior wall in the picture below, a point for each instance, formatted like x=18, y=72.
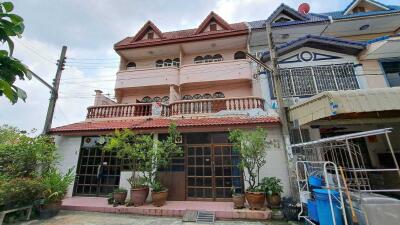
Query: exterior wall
x=373, y=66
x=237, y=89
x=68, y=148
x=226, y=55
x=366, y=37
x=276, y=163
x=147, y=77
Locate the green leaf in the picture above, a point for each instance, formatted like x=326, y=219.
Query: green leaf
x=20, y=93
x=8, y=6
x=8, y=91
x=10, y=45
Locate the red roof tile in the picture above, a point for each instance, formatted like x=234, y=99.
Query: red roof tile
x=138, y=124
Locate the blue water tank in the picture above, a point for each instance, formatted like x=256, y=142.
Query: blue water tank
x=324, y=208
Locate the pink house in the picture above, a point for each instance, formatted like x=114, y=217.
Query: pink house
x=198, y=78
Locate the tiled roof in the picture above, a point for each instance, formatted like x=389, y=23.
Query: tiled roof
x=386, y=37
x=339, y=14
x=187, y=35
x=137, y=124
x=318, y=39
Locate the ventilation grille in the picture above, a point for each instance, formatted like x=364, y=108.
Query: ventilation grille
x=205, y=217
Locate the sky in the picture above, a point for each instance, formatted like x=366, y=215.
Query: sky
x=89, y=29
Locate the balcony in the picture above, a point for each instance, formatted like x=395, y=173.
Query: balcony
x=216, y=71
x=147, y=77
x=204, y=106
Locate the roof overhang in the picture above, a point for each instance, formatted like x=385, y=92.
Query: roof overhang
x=319, y=42
x=351, y=104
x=352, y=5
x=385, y=47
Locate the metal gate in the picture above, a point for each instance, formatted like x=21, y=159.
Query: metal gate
x=212, y=170
x=98, y=172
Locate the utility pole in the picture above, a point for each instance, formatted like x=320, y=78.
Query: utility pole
x=54, y=91
x=282, y=110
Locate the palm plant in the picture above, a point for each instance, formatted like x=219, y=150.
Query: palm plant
x=56, y=185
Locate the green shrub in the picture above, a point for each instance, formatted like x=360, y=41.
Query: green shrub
x=56, y=185
x=271, y=185
x=20, y=191
x=119, y=190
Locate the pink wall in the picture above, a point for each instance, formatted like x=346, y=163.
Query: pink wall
x=230, y=89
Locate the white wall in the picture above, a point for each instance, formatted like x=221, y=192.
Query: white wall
x=68, y=149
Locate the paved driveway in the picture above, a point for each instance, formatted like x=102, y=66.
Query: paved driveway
x=92, y=218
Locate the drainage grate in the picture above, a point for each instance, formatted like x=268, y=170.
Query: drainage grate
x=205, y=217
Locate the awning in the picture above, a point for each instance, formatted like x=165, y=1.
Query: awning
x=333, y=104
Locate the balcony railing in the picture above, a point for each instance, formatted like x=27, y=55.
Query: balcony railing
x=203, y=106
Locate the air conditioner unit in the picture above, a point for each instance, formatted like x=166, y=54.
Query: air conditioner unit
x=287, y=102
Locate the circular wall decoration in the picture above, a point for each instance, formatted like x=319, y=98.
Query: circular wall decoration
x=87, y=140
x=306, y=56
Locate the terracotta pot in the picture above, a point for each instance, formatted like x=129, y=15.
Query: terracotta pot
x=159, y=198
x=256, y=200
x=274, y=200
x=120, y=197
x=139, y=195
x=238, y=201
x=49, y=210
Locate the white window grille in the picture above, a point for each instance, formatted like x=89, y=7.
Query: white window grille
x=308, y=81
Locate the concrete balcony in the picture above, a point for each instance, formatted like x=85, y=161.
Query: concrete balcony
x=202, y=106
x=147, y=77
x=215, y=71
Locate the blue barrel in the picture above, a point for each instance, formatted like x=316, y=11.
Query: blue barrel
x=312, y=210
x=324, y=208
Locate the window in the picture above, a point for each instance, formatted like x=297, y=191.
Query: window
x=197, y=96
x=167, y=62
x=150, y=35
x=156, y=99
x=146, y=99
x=165, y=99
x=219, y=95
x=159, y=63
x=308, y=81
x=217, y=58
x=131, y=66
x=208, y=58
x=198, y=59
x=282, y=19
x=239, y=55
x=176, y=62
x=213, y=26
x=392, y=71
x=207, y=96
x=359, y=9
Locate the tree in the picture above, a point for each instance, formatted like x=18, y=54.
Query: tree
x=11, y=25
x=253, y=149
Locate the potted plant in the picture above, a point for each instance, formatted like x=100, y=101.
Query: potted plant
x=55, y=188
x=237, y=198
x=159, y=157
x=139, y=190
x=119, y=195
x=273, y=189
x=252, y=148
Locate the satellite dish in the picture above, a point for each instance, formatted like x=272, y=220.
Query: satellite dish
x=304, y=8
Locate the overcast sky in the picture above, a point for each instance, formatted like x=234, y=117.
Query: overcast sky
x=90, y=28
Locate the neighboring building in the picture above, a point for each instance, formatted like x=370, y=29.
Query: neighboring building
x=198, y=78
x=339, y=72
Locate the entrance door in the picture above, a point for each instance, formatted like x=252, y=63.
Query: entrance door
x=92, y=161
x=212, y=170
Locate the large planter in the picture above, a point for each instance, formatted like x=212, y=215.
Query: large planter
x=256, y=200
x=159, y=198
x=238, y=201
x=49, y=210
x=274, y=200
x=139, y=195
x=120, y=197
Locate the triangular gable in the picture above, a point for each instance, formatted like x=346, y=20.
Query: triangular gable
x=368, y=5
x=210, y=18
x=286, y=12
x=148, y=26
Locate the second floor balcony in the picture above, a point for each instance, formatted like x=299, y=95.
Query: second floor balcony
x=134, y=78
x=178, y=108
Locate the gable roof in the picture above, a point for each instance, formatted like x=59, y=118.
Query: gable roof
x=284, y=9
x=233, y=29
x=145, y=28
x=213, y=16
x=322, y=42
x=354, y=3
x=311, y=18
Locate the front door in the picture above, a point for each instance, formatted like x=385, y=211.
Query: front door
x=212, y=170
x=98, y=172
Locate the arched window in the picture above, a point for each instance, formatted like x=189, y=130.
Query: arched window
x=198, y=59
x=146, y=99
x=208, y=58
x=207, y=96
x=165, y=99
x=176, y=62
x=219, y=95
x=187, y=97
x=197, y=96
x=217, y=58
x=156, y=99
x=131, y=66
x=167, y=62
x=159, y=63
x=239, y=55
